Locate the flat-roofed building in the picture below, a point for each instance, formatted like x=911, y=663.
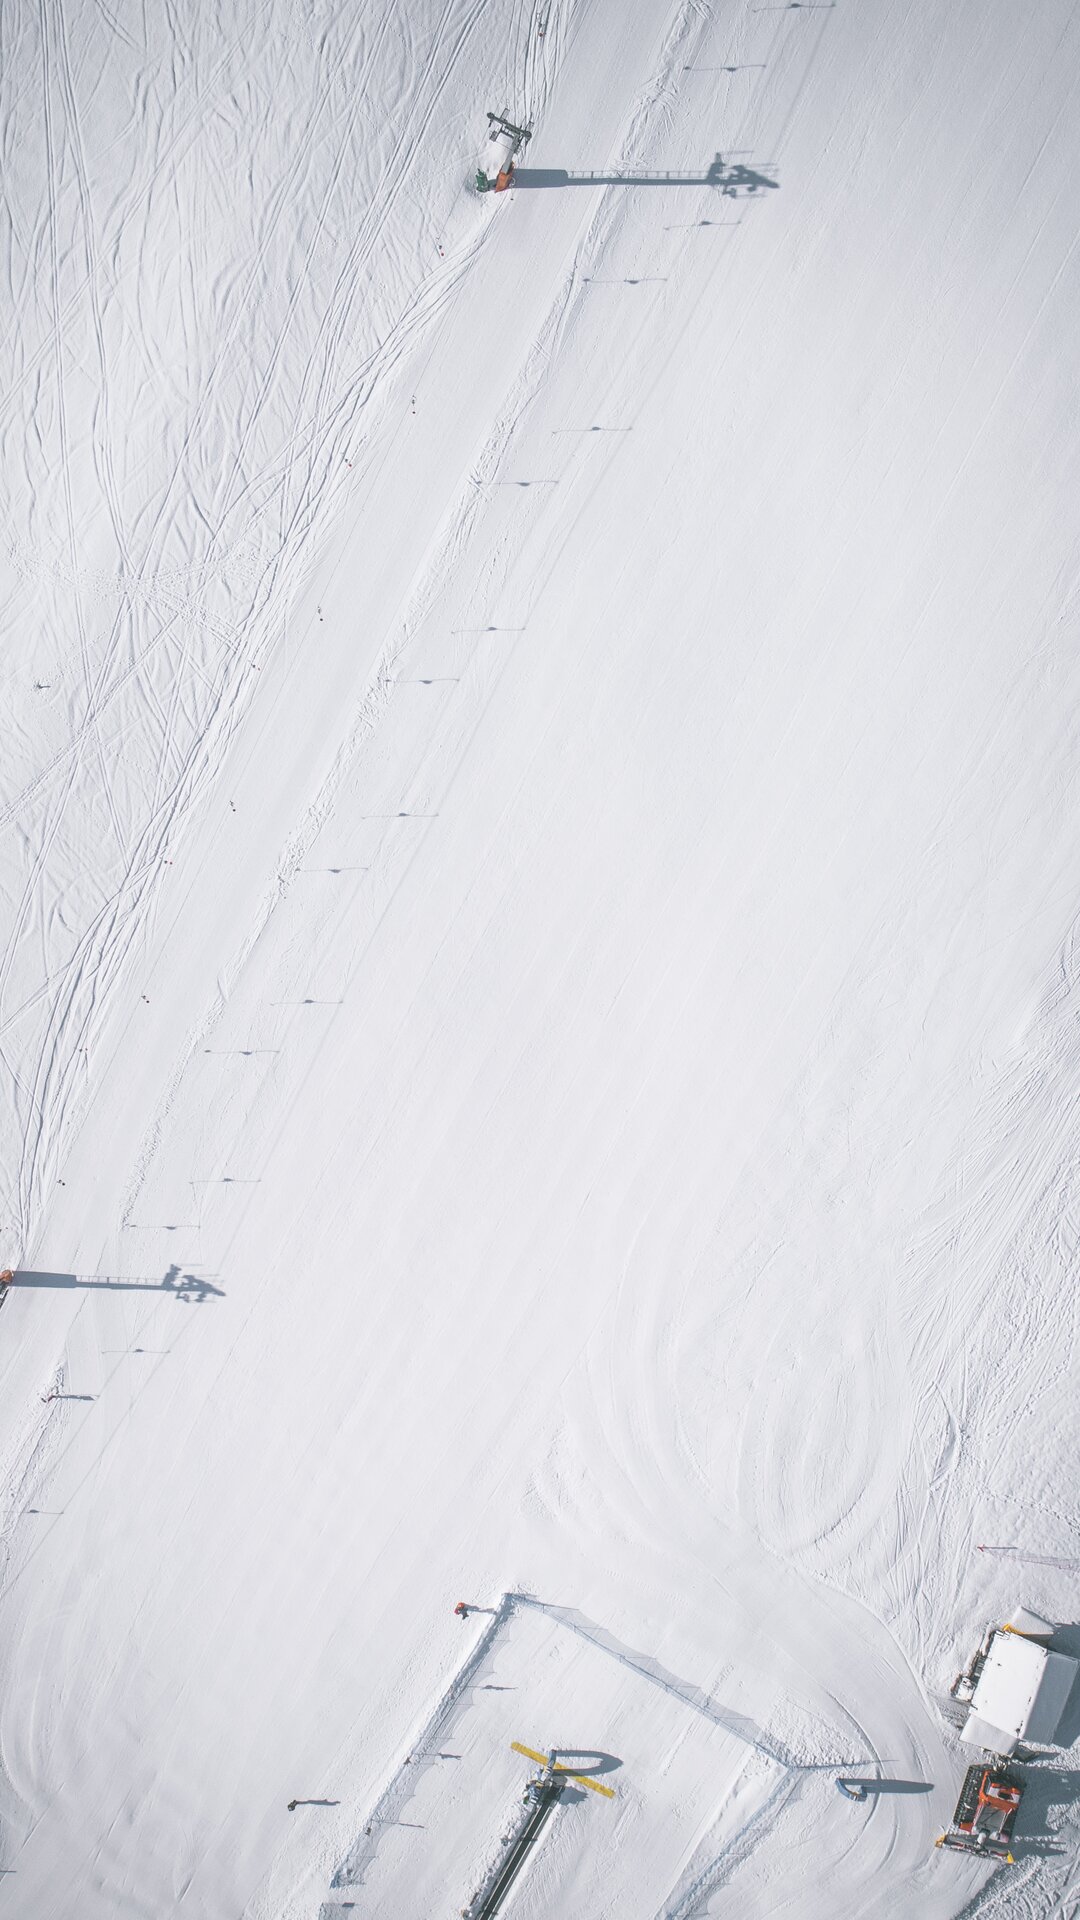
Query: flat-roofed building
x=1021, y=1689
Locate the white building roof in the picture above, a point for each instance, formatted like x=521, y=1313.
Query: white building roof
x=1020, y=1694
x=1022, y=1620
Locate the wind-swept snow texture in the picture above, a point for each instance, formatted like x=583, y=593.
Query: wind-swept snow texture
x=539, y=979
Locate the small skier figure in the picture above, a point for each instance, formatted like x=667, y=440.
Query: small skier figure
x=293, y=1804
x=462, y=1610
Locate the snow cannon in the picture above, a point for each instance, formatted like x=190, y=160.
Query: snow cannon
x=508, y=141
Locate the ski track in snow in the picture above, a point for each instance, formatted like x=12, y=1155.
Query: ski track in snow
x=182, y=734
x=785, y=1404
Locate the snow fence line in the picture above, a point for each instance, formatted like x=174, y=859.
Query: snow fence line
x=350, y=1874
x=392, y=1800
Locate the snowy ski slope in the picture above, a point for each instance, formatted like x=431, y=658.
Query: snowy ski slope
x=539, y=980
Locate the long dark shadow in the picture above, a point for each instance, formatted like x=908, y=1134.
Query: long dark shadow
x=730, y=180
x=585, y=1760
x=181, y=1286
x=890, y=1786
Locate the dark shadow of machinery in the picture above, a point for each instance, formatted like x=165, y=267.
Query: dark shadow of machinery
x=589, y=1761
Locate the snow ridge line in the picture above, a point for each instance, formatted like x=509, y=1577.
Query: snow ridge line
x=693, y=1697
x=453, y=530
x=21, y=1478
x=398, y=1792
x=424, y=308
x=296, y=846
x=99, y=958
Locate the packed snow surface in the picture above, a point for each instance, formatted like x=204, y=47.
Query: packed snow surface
x=539, y=961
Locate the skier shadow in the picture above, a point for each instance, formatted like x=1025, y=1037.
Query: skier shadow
x=734, y=182
x=182, y=1286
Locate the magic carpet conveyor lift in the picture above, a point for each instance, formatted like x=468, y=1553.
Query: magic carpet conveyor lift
x=542, y=1795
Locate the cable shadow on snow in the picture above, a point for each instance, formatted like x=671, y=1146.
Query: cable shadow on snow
x=739, y=1724
x=875, y=1787
x=735, y=182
